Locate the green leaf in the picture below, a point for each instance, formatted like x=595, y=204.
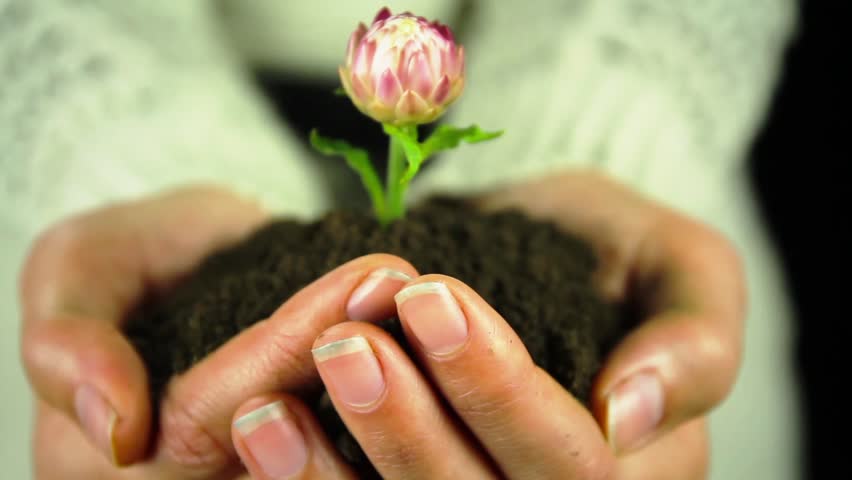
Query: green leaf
x=359, y=160
x=340, y=92
x=407, y=138
x=446, y=137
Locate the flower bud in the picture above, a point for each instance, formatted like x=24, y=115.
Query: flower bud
x=403, y=70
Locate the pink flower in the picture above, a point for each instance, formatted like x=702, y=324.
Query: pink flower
x=403, y=70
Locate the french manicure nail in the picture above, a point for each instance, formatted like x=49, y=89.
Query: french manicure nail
x=351, y=371
x=434, y=316
x=273, y=440
x=634, y=410
x=97, y=418
x=366, y=303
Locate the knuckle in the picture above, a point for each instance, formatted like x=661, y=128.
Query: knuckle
x=392, y=452
x=492, y=403
x=722, y=357
x=34, y=341
x=703, y=248
x=50, y=355
x=285, y=358
x=725, y=251
x=718, y=348
x=185, y=440
x=406, y=451
x=720, y=254
x=714, y=358
x=66, y=236
x=55, y=243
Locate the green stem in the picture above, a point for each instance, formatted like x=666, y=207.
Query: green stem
x=395, y=187
x=374, y=189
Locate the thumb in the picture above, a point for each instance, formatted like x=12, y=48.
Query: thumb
x=684, y=357
x=81, y=279
x=85, y=368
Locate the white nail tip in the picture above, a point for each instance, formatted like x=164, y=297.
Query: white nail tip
x=341, y=347
x=113, y=420
x=611, y=414
x=374, y=279
x=426, y=288
x=391, y=273
x=261, y=416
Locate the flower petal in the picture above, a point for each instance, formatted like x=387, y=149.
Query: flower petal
x=383, y=14
x=455, y=90
x=402, y=68
x=363, y=62
x=385, y=57
x=354, y=41
x=360, y=91
x=410, y=108
x=419, y=75
x=408, y=51
x=344, y=80
x=380, y=112
x=389, y=90
x=364, y=55
x=444, y=31
x=453, y=61
x=432, y=51
x=441, y=91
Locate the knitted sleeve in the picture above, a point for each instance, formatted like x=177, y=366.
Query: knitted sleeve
x=665, y=95
x=101, y=100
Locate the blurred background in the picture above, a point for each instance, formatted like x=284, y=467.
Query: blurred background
x=800, y=168
x=795, y=165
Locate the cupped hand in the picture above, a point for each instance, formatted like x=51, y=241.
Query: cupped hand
x=472, y=404
x=93, y=416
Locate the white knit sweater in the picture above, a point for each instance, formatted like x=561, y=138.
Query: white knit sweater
x=105, y=99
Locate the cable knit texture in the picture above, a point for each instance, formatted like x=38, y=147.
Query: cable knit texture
x=665, y=95
x=102, y=100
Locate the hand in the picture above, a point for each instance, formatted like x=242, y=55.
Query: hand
x=483, y=409
x=93, y=411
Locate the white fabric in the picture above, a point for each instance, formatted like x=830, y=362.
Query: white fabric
x=102, y=100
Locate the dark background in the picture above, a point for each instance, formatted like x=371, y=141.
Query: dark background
x=799, y=168
x=795, y=165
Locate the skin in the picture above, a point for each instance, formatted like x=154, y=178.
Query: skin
x=486, y=415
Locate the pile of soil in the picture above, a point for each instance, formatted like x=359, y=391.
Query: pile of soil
x=536, y=276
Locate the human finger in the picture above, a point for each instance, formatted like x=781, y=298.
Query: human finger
x=272, y=355
x=79, y=282
x=682, y=359
x=277, y=436
x=391, y=409
x=686, y=283
x=528, y=423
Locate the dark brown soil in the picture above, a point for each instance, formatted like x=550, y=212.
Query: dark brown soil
x=537, y=277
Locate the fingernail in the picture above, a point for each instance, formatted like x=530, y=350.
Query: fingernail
x=634, y=409
x=97, y=418
x=434, y=316
x=350, y=370
x=367, y=301
x=273, y=440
